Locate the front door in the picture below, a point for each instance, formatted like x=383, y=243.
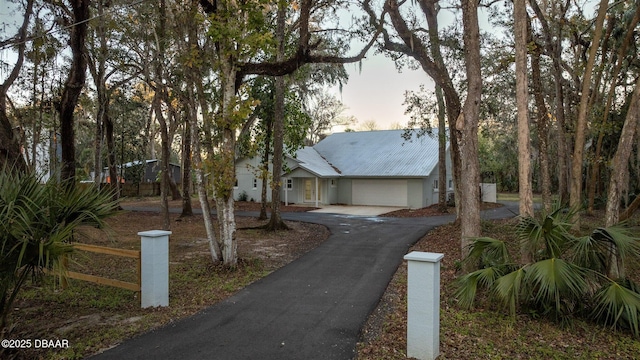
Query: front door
x=310, y=190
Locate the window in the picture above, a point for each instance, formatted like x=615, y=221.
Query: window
x=235, y=185
x=334, y=183
x=450, y=184
x=435, y=185
x=289, y=183
x=255, y=183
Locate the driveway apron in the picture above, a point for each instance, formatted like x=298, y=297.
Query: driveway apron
x=312, y=308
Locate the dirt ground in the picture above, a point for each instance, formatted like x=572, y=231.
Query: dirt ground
x=93, y=317
x=484, y=332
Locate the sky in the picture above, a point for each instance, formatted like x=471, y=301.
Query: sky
x=376, y=91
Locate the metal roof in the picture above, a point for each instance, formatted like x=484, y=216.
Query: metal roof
x=380, y=153
x=309, y=159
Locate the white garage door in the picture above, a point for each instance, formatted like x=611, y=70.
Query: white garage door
x=379, y=192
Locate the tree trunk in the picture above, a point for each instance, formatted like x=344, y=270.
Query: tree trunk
x=224, y=169
x=165, y=178
x=620, y=161
x=522, y=101
x=554, y=49
x=442, y=152
x=173, y=187
x=276, y=223
x=97, y=146
x=214, y=247
x=635, y=204
x=192, y=120
x=561, y=137
x=467, y=128
x=431, y=13
x=543, y=131
x=607, y=109
x=111, y=152
x=164, y=164
x=264, y=173
x=72, y=89
x=575, y=198
x=443, y=81
x=159, y=97
x=187, y=209
x=10, y=155
x=223, y=187
x=98, y=72
x=618, y=183
x=227, y=221
x=39, y=119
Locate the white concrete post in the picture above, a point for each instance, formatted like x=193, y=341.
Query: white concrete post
x=317, y=191
x=423, y=303
x=154, y=269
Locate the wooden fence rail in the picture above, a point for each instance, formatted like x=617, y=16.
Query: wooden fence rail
x=134, y=254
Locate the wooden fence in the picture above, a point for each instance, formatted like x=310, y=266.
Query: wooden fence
x=141, y=189
x=134, y=254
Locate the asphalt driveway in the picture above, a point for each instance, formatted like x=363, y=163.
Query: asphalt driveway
x=312, y=308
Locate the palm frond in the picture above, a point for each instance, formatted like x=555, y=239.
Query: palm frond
x=469, y=284
x=556, y=282
x=547, y=233
x=508, y=289
x=36, y=222
x=618, y=305
x=625, y=245
x=487, y=251
x=586, y=252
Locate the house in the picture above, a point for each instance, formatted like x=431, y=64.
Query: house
x=357, y=168
x=134, y=172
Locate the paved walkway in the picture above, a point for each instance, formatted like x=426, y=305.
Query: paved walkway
x=312, y=308
x=356, y=210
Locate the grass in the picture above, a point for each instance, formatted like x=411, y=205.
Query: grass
x=537, y=198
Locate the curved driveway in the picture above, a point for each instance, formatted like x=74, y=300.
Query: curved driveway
x=312, y=308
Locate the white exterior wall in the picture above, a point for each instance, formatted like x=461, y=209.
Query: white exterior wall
x=246, y=172
x=344, y=191
x=434, y=194
x=417, y=197
x=292, y=195
x=332, y=190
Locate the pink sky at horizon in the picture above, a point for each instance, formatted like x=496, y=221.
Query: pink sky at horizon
x=377, y=91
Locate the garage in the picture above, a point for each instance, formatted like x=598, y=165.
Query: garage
x=381, y=192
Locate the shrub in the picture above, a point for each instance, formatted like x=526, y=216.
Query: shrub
x=36, y=225
x=567, y=276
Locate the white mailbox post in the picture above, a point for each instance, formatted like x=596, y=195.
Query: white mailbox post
x=154, y=269
x=423, y=302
